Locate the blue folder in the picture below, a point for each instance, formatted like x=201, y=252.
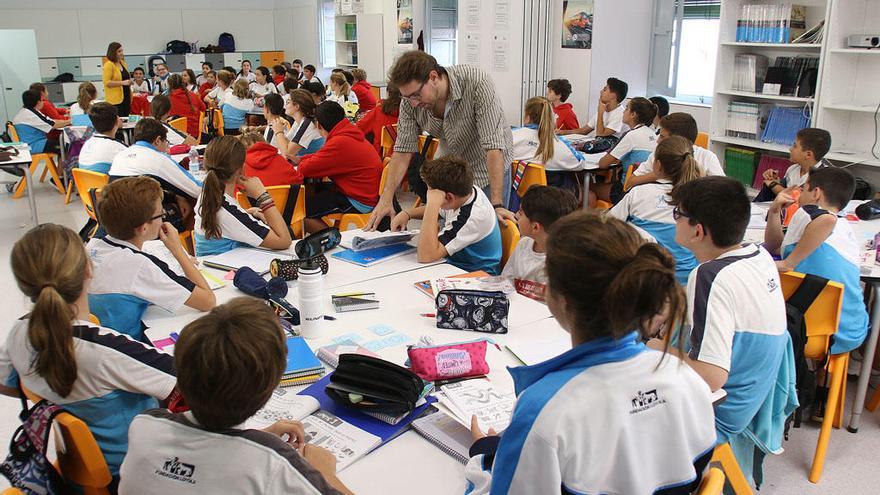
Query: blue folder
x=369, y=257
x=300, y=357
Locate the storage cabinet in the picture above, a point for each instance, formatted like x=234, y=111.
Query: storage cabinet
x=175, y=62
x=70, y=91
x=92, y=66
x=194, y=62
x=255, y=59
x=56, y=93
x=272, y=58
x=216, y=59
x=232, y=60
x=71, y=65
x=48, y=68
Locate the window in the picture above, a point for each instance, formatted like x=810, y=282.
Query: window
x=442, y=19
x=682, y=58
x=328, y=32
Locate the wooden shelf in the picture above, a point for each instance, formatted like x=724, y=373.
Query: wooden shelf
x=850, y=107
x=780, y=46
x=760, y=96
x=750, y=143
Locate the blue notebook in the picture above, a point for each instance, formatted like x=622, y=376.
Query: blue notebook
x=354, y=417
x=370, y=257
x=81, y=120
x=300, y=358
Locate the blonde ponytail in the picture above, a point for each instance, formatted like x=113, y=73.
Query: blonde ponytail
x=676, y=157
x=539, y=111
x=87, y=94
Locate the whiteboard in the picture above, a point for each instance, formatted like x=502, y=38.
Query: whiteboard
x=57, y=30
x=254, y=30
x=139, y=31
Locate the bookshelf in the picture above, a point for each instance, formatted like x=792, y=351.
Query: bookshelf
x=356, y=38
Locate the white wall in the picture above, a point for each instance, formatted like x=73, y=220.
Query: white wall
x=700, y=113
x=296, y=30
x=621, y=38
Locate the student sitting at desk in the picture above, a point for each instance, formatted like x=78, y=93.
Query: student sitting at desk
x=340, y=92
x=185, y=103
x=49, y=109
x=34, y=127
x=189, y=80
x=363, y=90
x=383, y=116
x=235, y=107
x=87, y=94
x=309, y=74
x=273, y=109
x=99, y=150
x=458, y=221
x=262, y=84
x=608, y=120
x=221, y=224
x=103, y=377
x=229, y=363
x=316, y=89
x=161, y=106
x=647, y=206
x=820, y=241
x=125, y=279
x=558, y=91
x=536, y=141
x=610, y=415
x=808, y=153
x=662, y=111
x=286, y=87
x=245, y=72
x=139, y=85
x=302, y=137
x=207, y=68
x=350, y=162
x=222, y=91
x=160, y=80
x=279, y=73
x=263, y=162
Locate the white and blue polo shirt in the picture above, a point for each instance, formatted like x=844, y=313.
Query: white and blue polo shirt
x=32, y=127
x=237, y=227
x=98, y=152
x=738, y=323
x=525, y=147
x=609, y=416
x=647, y=206
x=126, y=280
x=471, y=235
x=235, y=111
x=117, y=378
x=305, y=134
x=838, y=259
x=707, y=161
x=142, y=158
x=635, y=146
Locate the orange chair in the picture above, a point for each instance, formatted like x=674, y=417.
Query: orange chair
x=702, y=140
x=377, y=92
x=48, y=161
x=12, y=491
x=386, y=143
x=80, y=460
x=186, y=239
x=712, y=483
x=201, y=127
x=509, y=238
x=179, y=124
x=281, y=194
x=94, y=319
x=89, y=184
x=532, y=174
x=343, y=221
x=723, y=456
x=432, y=148
x=629, y=174
x=821, y=320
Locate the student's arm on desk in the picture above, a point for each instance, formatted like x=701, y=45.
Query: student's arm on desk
x=814, y=235
x=580, y=130
x=608, y=160
x=279, y=235
x=714, y=376
x=202, y=297
x=773, y=234
x=430, y=248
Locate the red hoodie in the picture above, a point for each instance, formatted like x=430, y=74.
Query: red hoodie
x=373, y=122
x=53, y=112
x=278, y=79
x=350, y=162
x=187, y=104
x=205, y=88
x=263, y=161
x=565, y=117
x=366, y=99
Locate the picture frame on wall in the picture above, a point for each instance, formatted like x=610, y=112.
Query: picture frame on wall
x=577, y=24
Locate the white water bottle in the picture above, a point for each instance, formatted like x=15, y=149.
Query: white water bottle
x=311, y=295
x=193, y=162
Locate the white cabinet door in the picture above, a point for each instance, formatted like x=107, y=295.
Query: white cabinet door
x=99, y=85
x=48, y=67
x=92, y=66
x=71, y=91
x=19, y=66
x=194, y=62
x=232, y=60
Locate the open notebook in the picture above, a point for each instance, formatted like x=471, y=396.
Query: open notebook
x=257, y=259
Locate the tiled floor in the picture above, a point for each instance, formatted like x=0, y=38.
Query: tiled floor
x=851, y=466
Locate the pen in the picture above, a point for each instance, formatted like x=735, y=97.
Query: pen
x=428, y=315
x=355, y=294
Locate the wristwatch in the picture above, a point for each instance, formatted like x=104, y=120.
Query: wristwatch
x=497, y=205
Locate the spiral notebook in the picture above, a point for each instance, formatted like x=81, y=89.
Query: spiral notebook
x=446, y=434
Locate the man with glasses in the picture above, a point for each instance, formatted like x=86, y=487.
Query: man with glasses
x=125, y=280
x=458, y=105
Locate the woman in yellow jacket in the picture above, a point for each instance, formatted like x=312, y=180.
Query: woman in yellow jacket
x=117, y=80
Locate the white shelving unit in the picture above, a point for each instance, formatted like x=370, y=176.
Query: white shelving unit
x=361, y=48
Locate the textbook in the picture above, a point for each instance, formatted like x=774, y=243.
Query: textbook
x=359, y=240
x=371, y=257
x=301, y=361
x=479, y=398
x=530, y=353
x=256, y=259
x=424, y=286
x=446, y=434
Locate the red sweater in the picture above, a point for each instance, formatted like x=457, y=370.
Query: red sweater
x=181, y=108
x=372, y=123
x=278, y=79
x=53, y=112
x=204, y=89
x=350, y=162
x=366, y=99
x=565, y=117
x=263, y=161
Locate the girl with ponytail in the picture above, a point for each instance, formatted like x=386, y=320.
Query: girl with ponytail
x=184, y=103
x=87, y=95
x=536, y=141
x=221, y=224
x=605, y=286
x=103, y=377
x=647, y=205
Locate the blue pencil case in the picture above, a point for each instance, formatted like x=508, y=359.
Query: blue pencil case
x=479, y=311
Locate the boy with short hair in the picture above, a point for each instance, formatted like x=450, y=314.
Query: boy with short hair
x=228, y=362
x=541, y=206
x=820, y=241
x=36, y=128
x=98, y=151
x=558, y=91
x=807, y=154
x=677, y=124
x=350, y=162
x=125, y=279
x=469, y=236
x=608, y=120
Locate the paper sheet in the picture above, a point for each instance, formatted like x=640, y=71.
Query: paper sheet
x=343, y=440
x=537, y=352
x=492, y=408
x=283, y=405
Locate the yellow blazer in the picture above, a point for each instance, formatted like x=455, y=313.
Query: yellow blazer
x=112, y=73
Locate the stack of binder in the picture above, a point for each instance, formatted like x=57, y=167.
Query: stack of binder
x=745, y=119
x=777, y=23
x=740, y=164
x=303, y=367
x=783, y=125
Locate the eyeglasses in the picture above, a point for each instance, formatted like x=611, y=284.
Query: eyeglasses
x=677, y=213
x=417, y=96
x=162, y=215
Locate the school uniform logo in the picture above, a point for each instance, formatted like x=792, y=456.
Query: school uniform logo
x=646, y=400
x=178, y=471
x=772, y=285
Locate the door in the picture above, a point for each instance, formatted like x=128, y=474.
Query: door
x=19, y=66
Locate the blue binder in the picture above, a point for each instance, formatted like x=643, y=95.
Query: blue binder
x=370, y=257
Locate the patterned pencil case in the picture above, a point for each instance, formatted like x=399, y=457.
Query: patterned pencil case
x=448, y=361
x=479, y=311
x=288, y=269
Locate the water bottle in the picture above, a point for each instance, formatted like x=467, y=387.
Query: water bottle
x=193, y=162
x=311, y=298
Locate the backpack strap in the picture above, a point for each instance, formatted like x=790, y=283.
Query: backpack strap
x=391, y=132
x=807, y=292
x=520, y=172
x=429, y=139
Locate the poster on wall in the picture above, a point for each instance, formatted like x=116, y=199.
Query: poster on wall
x=577, y=24
x=404, y=22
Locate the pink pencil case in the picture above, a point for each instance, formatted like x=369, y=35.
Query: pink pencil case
x=448, y=361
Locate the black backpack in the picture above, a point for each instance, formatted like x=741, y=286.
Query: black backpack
x=795, y=307
x=226, y=42
x=63, y=77
x=26, y=466
x=177, y=46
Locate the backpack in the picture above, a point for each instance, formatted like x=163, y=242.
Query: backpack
x=864, y=189
x=226, y=42
x=4, y=135
x=26, y=466
x=63, y=77
x=177, y=46
x=795, y=307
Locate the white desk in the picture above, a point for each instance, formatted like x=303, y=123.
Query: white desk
x=23, y=163
x=591, y=163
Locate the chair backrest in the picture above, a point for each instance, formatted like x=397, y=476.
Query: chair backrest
x=179, y=124
x=299, y=213
x=12, y=132
x=79, y=457
x=384, y=175
x=629, y=173
x=534, y=175
x=201, y=126
x=94, y=319
x=712, y=483
x=279, y=195
x=509, y=238
x=386, y=142
x=86, y=180
x=376, y=92
x=432, y=148
x=12, y=491
x=702, y=139
x=218, y=121
x=821, y=318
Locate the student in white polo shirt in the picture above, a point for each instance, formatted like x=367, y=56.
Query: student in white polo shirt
x=633, y=148
x=608, y=119
x=126, y=280
x=536, y=141
x=610, y=415
x=677, y=124
x=99, y=150
x=103, y=377
x=228, y=364
x=34, y=127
